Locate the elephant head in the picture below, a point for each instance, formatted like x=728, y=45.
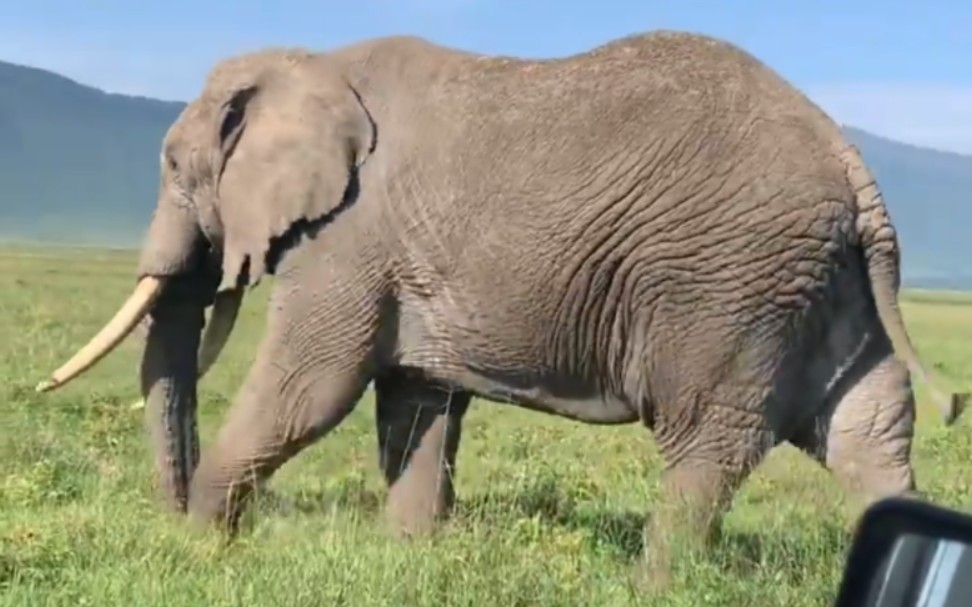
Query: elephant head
x=273, y=141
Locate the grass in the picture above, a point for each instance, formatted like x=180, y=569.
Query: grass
x=550, y=511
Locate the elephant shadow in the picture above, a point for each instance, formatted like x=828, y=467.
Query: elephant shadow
x=620, y=532
x=362, y=502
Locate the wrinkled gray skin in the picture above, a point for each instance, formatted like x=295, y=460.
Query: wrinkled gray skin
x=660, y=230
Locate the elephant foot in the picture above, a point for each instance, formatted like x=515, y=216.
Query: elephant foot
x=416, y=511
x=667, y=543
x=650, y=581
x=221, y=508
x=671, y=540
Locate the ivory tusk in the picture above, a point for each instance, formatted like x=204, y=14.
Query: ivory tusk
x=124, y=322
x=226, y=307
x=220, y=326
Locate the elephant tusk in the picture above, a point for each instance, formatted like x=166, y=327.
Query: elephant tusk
x=226, y=307
x=221, y=323
x=124, y=322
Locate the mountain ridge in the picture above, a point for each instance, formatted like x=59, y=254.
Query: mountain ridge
x=79, y=167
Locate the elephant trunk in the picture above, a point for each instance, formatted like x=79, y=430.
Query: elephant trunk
x=170, y=366
x=226, y=308
x=175, y=247
x=168, y=376
x=177, y=280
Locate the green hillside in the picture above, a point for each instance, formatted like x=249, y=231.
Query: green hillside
x=80, y=166
x=76, y=164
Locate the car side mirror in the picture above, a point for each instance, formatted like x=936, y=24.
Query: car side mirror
x=909, y=553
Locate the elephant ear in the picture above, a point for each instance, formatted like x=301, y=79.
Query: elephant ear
x=288, y=148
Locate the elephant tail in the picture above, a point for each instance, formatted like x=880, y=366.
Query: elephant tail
x=882, y=256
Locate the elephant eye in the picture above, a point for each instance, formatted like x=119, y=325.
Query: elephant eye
x=172, y=164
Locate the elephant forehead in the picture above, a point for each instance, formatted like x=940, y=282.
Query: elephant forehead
x=197, y=114
x=247, y=69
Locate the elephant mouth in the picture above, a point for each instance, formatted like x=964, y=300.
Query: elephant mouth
x=129, y=315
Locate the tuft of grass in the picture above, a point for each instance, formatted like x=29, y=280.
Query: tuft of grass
x=550, y=513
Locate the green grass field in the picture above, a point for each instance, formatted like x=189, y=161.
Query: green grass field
x=550, y=511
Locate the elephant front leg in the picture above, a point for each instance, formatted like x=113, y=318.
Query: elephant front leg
x=418, y=426
x=279, y=412
x=309, y=373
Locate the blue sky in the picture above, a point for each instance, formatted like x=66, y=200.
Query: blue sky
x=892, y=67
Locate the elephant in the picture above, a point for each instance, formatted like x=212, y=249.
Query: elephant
x=225, y=308
x=658, y=230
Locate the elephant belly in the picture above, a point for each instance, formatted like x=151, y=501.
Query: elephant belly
x=551, y=396
x=483, y=354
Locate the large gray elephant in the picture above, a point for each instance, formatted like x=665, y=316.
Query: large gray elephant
x=659, y=230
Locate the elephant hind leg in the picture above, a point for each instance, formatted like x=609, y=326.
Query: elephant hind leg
x=418, y=425
x=865, y=433
x=706, y=463
x=309, y=373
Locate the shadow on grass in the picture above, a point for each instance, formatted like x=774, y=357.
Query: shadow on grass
x=349, y=497
x=789, y=551
x=794, y=551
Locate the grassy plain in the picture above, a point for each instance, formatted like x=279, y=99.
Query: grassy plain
x=550, y=511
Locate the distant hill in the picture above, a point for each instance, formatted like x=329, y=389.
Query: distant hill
x=77, y=164
x=80, y=166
